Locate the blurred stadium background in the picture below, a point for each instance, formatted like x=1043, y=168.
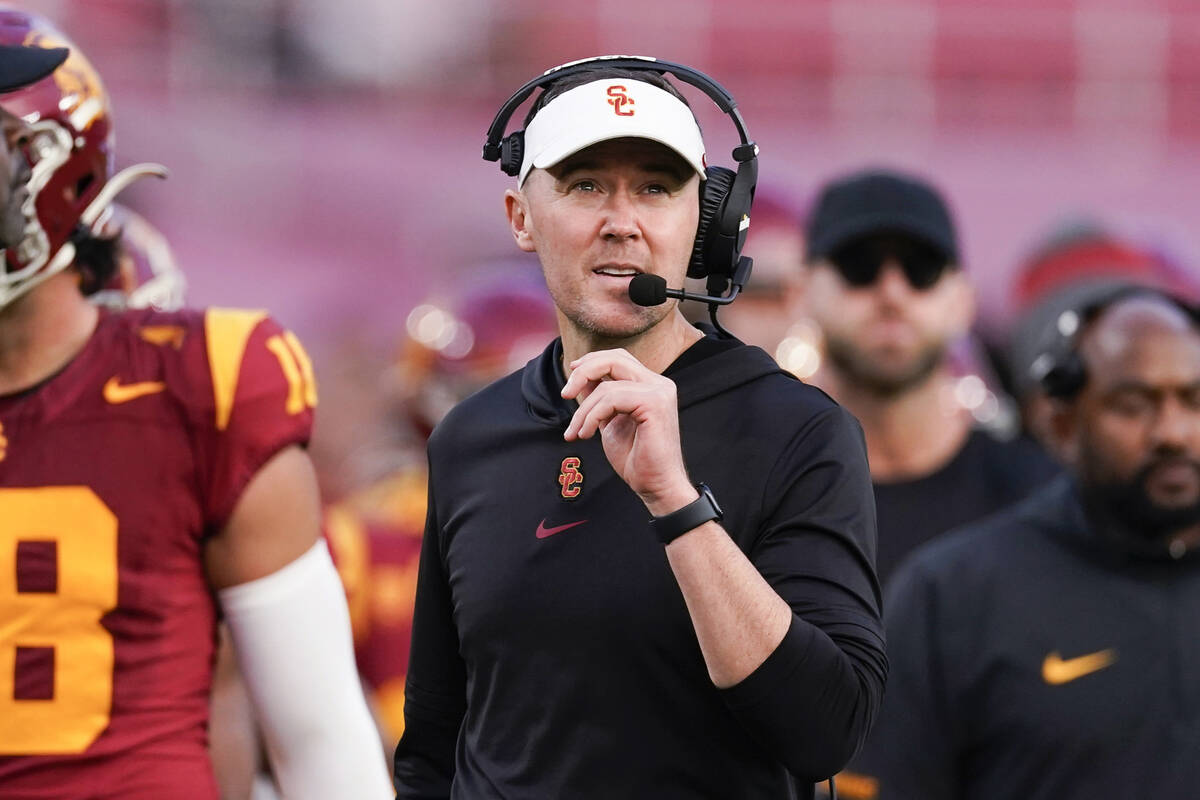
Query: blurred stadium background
x=325, y=155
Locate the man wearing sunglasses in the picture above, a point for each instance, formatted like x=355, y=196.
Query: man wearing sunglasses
x=883, y=282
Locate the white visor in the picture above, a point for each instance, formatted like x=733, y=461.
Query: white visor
x=611, y=108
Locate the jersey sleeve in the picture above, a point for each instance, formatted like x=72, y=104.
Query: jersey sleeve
x=262, y=395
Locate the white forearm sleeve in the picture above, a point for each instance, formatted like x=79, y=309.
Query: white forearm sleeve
x=291, y=635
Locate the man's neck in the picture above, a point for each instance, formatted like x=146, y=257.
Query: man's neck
x=910, y=434
x=656, y=348
x=1104, y=506
x=42, y=331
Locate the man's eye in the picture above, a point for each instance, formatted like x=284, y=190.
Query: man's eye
x=584, y=186
x=1130, y=403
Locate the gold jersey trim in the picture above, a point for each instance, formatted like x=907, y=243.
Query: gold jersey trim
x=227, y=332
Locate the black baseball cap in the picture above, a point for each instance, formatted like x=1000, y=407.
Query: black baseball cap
x=879, y=202
x=21, y=65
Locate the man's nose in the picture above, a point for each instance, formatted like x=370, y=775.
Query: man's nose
x=892, y=282
x=620, y=217
x=1175, y=426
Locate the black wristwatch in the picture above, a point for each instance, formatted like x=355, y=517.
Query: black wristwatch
x=670, y=527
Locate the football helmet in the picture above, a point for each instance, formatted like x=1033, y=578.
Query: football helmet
x=503, y=318
x=147, y=275
x=69, y=152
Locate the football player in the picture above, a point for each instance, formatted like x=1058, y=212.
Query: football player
x=152, y=479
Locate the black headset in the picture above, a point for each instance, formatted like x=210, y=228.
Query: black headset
x=726, y=197
x=1059, y=368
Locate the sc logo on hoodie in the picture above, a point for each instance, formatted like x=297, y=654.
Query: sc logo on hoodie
x=570, y=478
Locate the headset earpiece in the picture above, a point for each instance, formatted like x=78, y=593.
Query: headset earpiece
x=724, y=218
x=1065, y=377
x=1060, y=369
x=512, y=152
x=713, y=197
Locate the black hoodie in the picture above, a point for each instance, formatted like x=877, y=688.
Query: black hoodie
x=1041, y=655
x=553, y=655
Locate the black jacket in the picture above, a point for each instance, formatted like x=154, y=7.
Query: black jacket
x=1039, y=655
x=566, y=665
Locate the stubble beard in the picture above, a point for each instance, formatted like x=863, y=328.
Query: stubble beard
x=866, y=373
x=594, y=326
x=1129, y=502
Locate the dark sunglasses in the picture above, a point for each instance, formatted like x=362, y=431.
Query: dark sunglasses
x=860, y=262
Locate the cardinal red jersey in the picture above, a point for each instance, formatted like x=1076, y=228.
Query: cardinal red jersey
x=112, y=474
x=375, y=536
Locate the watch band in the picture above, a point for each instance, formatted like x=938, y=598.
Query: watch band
x=670, y=527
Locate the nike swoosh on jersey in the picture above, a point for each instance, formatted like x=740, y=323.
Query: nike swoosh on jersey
x=1057, y=671
x=116, y=392
x=543, y=531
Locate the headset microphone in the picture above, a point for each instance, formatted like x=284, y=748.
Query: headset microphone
x=651, y=290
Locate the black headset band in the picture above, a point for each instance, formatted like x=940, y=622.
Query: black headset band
x=1088, y=312
x=715, y=91
x=1061, y=370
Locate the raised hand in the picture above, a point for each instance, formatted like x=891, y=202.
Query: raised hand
x=636, y=413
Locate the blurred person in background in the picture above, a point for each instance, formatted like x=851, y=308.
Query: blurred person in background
x=884, y=284
x=767, y=308
x=152, y=477
x=1051, y=650
x=585, y=626
x=1076, y=263
x=502, y=319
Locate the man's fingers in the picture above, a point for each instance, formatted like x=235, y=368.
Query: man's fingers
x=587, y=407
x=608, y=400
x=598, y=414
x=579, y=388
x=602, y=365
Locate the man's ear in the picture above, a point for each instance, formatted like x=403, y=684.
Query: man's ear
x=517, y=209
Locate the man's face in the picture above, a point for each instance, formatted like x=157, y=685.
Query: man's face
x=597, y=218
x=14, y=176
x=1135, y=434
x=888, y=335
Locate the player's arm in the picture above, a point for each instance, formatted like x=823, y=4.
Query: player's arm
x=287, y=614
x=807, y=696
x=253, y=401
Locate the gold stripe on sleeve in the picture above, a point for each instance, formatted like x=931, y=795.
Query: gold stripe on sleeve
x=227, y=331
